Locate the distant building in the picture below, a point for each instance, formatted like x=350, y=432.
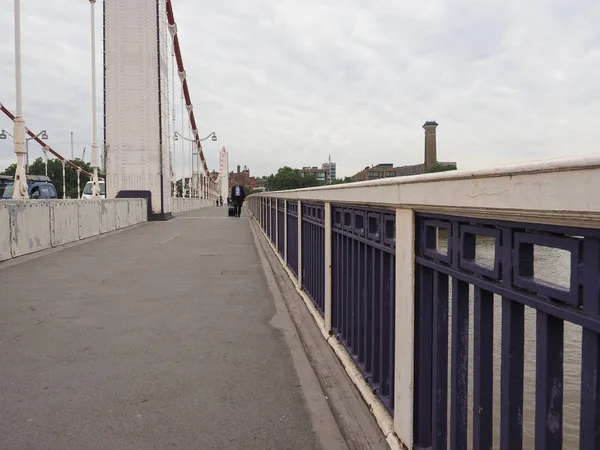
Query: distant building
x=382, y=170
x=243, y=177
x=321, y=174
x=387, y=170
x=331, y=167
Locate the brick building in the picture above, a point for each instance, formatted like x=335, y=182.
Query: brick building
x=243, y=177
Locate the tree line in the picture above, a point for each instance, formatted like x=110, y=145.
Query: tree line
x=55, y=174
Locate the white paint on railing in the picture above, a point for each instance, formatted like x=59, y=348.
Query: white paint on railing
x=300, y=277
x=560, y=192
x=276, y=231
x=404, y=333
x=328, y=250
x=285, y=228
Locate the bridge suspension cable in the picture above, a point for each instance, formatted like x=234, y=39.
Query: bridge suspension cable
x=44, y=145
x=184, y=85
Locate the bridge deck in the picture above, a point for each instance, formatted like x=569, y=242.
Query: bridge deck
x=155, y=337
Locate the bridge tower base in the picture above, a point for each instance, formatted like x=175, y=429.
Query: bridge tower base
x=136, y=102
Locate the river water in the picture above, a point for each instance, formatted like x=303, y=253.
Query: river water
x=550, y=265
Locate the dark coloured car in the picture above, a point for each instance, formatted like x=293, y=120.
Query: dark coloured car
x=39, y=187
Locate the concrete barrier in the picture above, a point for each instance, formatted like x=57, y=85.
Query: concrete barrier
x=30, y=229
x=122, y=215
x=64, y=222
x=5, y=232
x=89, y=218
x=136, y=211
x=33, y=225
x=108, y=216
x=183, y=205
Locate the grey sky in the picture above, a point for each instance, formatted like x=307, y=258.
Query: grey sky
x=288, y=82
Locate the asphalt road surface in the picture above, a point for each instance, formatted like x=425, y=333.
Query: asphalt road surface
x=156, y=337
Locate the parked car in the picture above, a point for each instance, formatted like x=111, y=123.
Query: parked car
x=39, y=187
x=87, y=189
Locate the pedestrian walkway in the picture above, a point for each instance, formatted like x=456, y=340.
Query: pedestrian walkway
x=152, y=338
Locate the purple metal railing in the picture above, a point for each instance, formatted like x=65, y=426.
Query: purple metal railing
x=265, y=209
x=281, y=227
x=313, y=253
x=510, y=274
x=292, y=236
x=273, y=221
x=363, y=292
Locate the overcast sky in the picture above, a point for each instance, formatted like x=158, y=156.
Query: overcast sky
x=288, y=82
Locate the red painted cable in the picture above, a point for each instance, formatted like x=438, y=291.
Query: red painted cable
x=43, y=144
x=186, y=93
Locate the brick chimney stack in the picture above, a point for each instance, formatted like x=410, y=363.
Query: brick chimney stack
x=238, y=168
x=430, y=144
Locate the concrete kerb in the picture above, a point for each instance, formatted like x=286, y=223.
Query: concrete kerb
x=323, y=420
x=379, y=411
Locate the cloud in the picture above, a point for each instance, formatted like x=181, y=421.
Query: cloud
x=289, y=83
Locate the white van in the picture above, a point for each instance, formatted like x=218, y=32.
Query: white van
x=87, y=189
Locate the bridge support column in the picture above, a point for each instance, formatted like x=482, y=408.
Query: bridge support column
x=136, y=101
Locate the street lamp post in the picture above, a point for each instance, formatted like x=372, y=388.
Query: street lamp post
x=20, y=185
x=95, y=161
x=178, y=135
x=43, y=134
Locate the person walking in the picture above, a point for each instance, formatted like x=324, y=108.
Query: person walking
x=238, y=196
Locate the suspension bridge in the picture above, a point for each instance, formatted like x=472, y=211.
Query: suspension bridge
x=459, y=308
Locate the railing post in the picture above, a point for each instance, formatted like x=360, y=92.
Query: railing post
x=327, y=287
x=299, y=244
x=285, y=233
x=276, y=240
x=404, y=333
x=270, y=220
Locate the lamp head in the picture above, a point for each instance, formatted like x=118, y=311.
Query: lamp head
x=214, y=137
x=176, y=136
x=3, y=135
x=44, y=135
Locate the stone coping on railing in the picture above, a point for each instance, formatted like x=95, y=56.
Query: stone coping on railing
x=558, y=191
